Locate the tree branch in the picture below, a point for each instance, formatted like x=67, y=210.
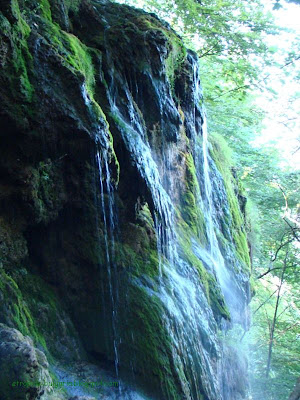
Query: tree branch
x=273, y=269
x=262, y=304
x=275, y=316
x=293, y=228
x=231, y=90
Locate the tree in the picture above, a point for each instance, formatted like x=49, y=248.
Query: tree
x=273, y=337
x=272, y=328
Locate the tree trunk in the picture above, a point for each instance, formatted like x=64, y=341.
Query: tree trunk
x=274, y=319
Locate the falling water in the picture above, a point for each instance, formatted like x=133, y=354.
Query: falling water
x=214, y=252
x=109, y=223
x=109, y=226
x=206, y=172
x=188, y=317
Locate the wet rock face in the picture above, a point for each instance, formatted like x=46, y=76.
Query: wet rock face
x=102, y=221
x=20, y=365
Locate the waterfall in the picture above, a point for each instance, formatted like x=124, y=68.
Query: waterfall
x=208, y=174
x=109, y=219
x=230, y=290
x=109, y=227
x=153, y=273
x=214, y=253
x=188, y=318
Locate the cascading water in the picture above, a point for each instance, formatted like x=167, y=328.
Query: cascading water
x=187, y=314
x=214, y=254
x=230, y=290
x=207, y=174
x=187, y=318
x=120, y=83
x=109, y=224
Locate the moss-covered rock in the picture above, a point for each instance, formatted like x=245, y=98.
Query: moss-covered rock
x=13, y=246
x=23, y=368
x=34, y=309
x=82, y=271
x=191, y=209
x=236, y=223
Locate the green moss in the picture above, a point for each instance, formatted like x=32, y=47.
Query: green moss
x=176, y=50
x=146, y=22
x=43, y=9
x=190, y=208
x=189, y=256
x=216, y=299
x=176, y=57
x=138, y=250
x=32, y=306
x=21, y=59
x=191, y=177
x=242, y=247
x=211, y=288
x=144, y=217
x=39, y=296
x=73, y=54
x=79, y=57
x=45, y=190
x=15, y=310
x=190, y=211
x=220, y=153
x=151, y=348
x=68, y=51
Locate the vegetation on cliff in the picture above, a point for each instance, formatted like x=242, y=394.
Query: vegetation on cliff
x=238, y=58
x=93, y=98
x=105, y=222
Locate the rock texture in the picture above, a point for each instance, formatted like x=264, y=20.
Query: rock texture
x=102, y=232
x=21, y=365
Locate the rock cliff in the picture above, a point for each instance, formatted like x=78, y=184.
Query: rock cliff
x=122, y=240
